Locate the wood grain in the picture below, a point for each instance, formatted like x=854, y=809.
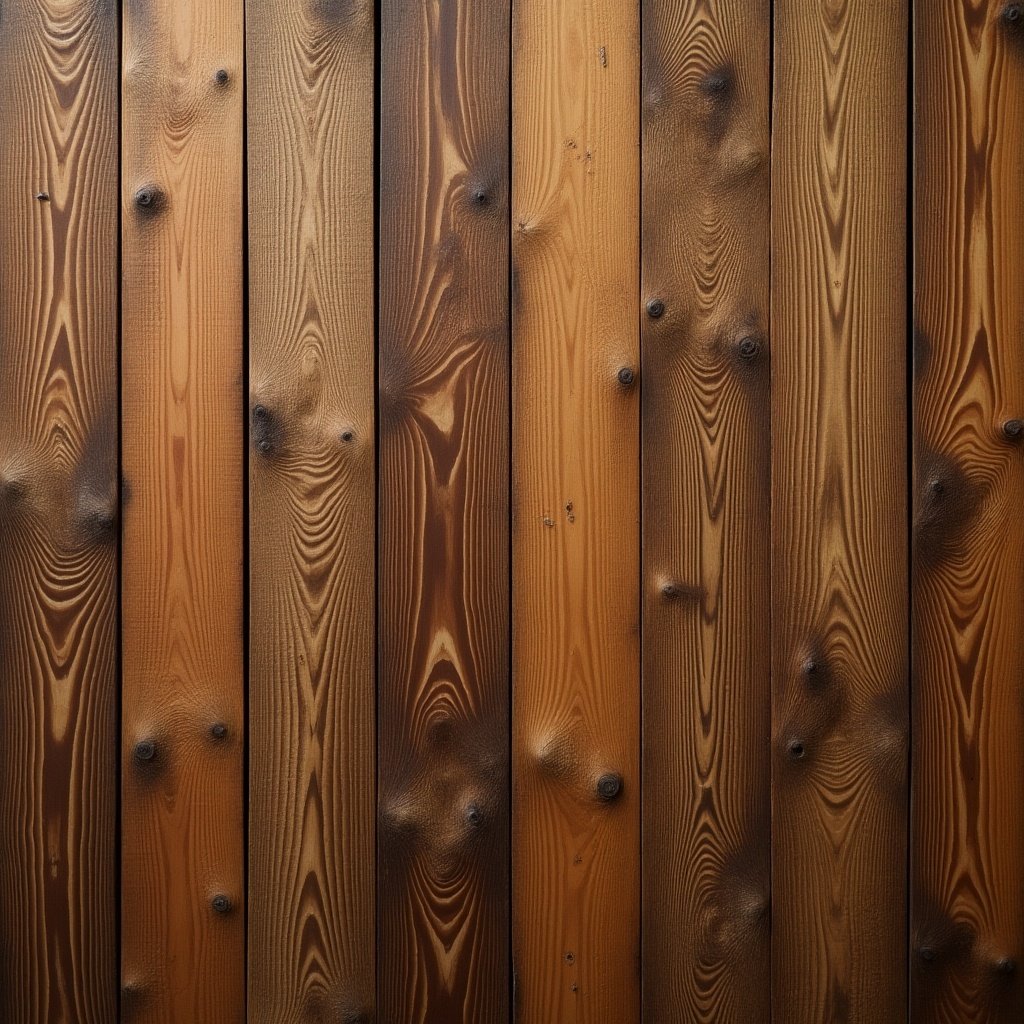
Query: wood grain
x=968, y=824
x=311, y=515
x=182, y=915
x=839, y=540
x=706, y=653
x=58, y=512
x=576, y=799
x=443, y=872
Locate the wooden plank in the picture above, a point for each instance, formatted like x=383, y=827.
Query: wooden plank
x=443, y=872
x=58, y=512
x=839, y=541
x=310, y=98
x=182, y=407
x=576, y=606
x=706, y=635
x=968, y=596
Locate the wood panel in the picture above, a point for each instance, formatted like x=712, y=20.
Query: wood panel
x=182, y=915
x=58, y=512
x=706, y=654
x=839, y=541
x=575, y=382
x=968, y=824
x=443, y=873
x=311, y=516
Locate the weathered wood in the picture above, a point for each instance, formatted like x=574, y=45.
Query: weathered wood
x=576, y=605
x=706, y=655
x=182, y=434
x=968, y=825
x=443, y=872
x=839, y=540
x=58, y=512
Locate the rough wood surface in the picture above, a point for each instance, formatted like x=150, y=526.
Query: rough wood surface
x=706, y=654
x=182, y=916
x=576, y=605
x=968, y=825
x=443, y=872
x=58, y=512
x=311, y=517
x=839, y=524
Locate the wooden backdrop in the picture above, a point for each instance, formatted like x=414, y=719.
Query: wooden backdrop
x=511, y=510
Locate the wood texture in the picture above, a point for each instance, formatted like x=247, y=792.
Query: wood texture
x=706, y=654
x=311, y=517
x=443, y=873
x=182, y=424
x=968, y=824
x=575, y=219
x=58, y=512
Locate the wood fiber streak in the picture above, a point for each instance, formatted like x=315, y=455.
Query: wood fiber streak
x=839, y=541
x=58, y=511
x=311, y=518
x=706, y=658
x=968, y=598
x=576, y=605
x=443, y=801
x=182, y=429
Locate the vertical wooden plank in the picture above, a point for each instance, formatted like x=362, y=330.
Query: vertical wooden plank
x=443, y=872
x=968, y=599
x=58, y=511
x=182, y=407
x=576, y=841
x=839, y=541
x=706, y=656
x=311, y=518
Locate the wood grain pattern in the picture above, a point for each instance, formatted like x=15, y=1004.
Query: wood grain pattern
x=968, y=823
x=311, y=517
x=576, y=799
x=443, y=873
x=839, y=541
x=58, y=512
x=182, y=915
x=706, y=654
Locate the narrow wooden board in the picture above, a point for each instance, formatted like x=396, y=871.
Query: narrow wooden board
x=58, y=512
x=182, y=917
x=968, y=596
x=576, y=601
x=443, y=871
x=839, y=523
x=311, y=515
x=706, y=654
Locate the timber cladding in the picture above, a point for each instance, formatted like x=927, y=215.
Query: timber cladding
x=510, y=511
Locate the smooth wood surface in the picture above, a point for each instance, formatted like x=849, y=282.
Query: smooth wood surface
x=576, y=602
x=839, y=520
x=968, y=826
x=706, y=639
x=182, y=847
x=58, y=512
x=443, y=871
x=312, y=760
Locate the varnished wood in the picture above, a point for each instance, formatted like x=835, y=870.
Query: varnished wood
x=576, y=604
x=182, y=427
x=58, y=512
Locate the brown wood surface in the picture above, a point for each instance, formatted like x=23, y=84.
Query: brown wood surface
x=576, y=603
x=443, y=872
x=968, y=597
x=706, y=654
x=183, y=900
x=311, y=515
x=839, y=522
x=58, y=512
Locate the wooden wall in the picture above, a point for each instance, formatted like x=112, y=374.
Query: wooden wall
x=511, y=511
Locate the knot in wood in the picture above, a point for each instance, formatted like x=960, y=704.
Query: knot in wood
x=609, y=786
x=221, y=903
x=655, y=309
